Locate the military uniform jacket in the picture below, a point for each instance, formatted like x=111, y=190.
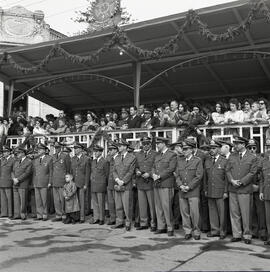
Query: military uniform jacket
x=23, y=172
x=111, y=181
x=243, y=170
x=99, y=175
x=164, y=166
x=264, y=167
x=215, y=178
x=80, y=169
x=189, y=173
x=6, y=167
x=144, y=164
x=124, y=170
x=42, y=171
x=61, y=167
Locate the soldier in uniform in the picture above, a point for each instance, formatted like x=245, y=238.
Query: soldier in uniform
x=99, y=179
x=80, y=169
x=124, y=167
x=42, y=177
x=264, y=167
x=144, y=182
x=241, y=168
x=21, y=175
x=189, y=175
x=6, y=182
x=164, y=182
x=216, y=190
x=113, y=152
x=258, y=209
x=61, y=167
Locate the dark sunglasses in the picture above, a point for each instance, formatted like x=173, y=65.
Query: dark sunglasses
x=261, y=103
x=252, y=148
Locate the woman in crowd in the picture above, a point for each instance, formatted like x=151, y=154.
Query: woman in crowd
x=247, y=110
x=218, y=116
x=184, y=114
x=90, y=124
x=234, y=116
x=38, y=129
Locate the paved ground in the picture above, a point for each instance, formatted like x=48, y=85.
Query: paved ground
x=46, y=246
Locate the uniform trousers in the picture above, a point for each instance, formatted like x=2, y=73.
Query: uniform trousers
x=146, y=199
x=81, y=197
x=217, y=216
x=204, y=213
x=258, y=216
x=98, y=200
x=41, y=196
x=240, y=205
x=19, y=197
x=189, y=208
x=267, y=213
x=176, y=208
x=122, y=205
x=111, y=204
x=163, y=204
x=59, y=202
x=6, y=201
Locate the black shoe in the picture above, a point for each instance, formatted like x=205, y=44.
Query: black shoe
x=188, y=236
x=81, y=221
x=264, y=238
x=197, y=237
x=73, y=222
x=153, y=229
x=222, y=237
x=170, y=233
x=38, y=219
x=234, y=239
x=44, y=219
x=255, y=236
x=212, y=235
x=101, y=222
x=111, y=223
x=176, y=226
x=67, y=221
x=56, y=219
x=142, y=228
x=128, y=228
x=24, y=218
x=136, y=225
x=94, y=222
x=160, y=231
x=267, y=243
x=247, y=241
x=14, y=218
x=118, y=226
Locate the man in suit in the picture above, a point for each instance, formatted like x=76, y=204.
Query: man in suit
x=42, y=177
x=241, y=168
x=149, y=122
x=189, y=175
x=6, y=182
x=216, y=190
x=21, y=175
x=258, y=209
x=61, y=167
x=99, y=179
x=144, y=182
x=124, y=167
x=134, y=120
x=264, y=167
x=113, y=152
x=80, y=169
x=164, y=181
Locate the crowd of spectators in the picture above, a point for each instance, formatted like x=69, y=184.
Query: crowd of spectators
x=173, y=114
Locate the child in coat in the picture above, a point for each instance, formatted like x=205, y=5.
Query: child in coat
x=72, y=206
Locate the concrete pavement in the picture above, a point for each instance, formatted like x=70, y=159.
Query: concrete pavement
x=46, y=246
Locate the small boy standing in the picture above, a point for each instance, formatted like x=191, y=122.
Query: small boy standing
x=72, y=206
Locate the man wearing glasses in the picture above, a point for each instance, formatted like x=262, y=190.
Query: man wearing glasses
x=258, y=209
x=263, y=109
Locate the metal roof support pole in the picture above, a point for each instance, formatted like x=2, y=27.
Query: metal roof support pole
x=10, y=96
x=137, y=71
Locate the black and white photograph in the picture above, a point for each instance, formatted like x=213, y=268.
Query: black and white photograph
x=134, y=135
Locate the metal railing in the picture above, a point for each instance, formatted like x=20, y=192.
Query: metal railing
x=133, y=135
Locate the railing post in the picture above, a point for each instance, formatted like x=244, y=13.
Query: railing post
x=174, y=135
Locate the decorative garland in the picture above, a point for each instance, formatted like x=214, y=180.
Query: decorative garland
x=119, y=38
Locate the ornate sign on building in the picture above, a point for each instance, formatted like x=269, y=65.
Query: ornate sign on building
x=21, y=26
x=105, y=13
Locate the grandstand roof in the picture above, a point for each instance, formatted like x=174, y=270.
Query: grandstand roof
x=225, y=73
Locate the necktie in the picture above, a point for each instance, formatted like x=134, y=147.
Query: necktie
x=122, y=157
x=214, y=160
x=40, y=160
x=240, y=156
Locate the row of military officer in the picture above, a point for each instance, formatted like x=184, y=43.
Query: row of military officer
x=158, y=175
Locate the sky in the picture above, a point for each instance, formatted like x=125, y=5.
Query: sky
x=59, y=13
